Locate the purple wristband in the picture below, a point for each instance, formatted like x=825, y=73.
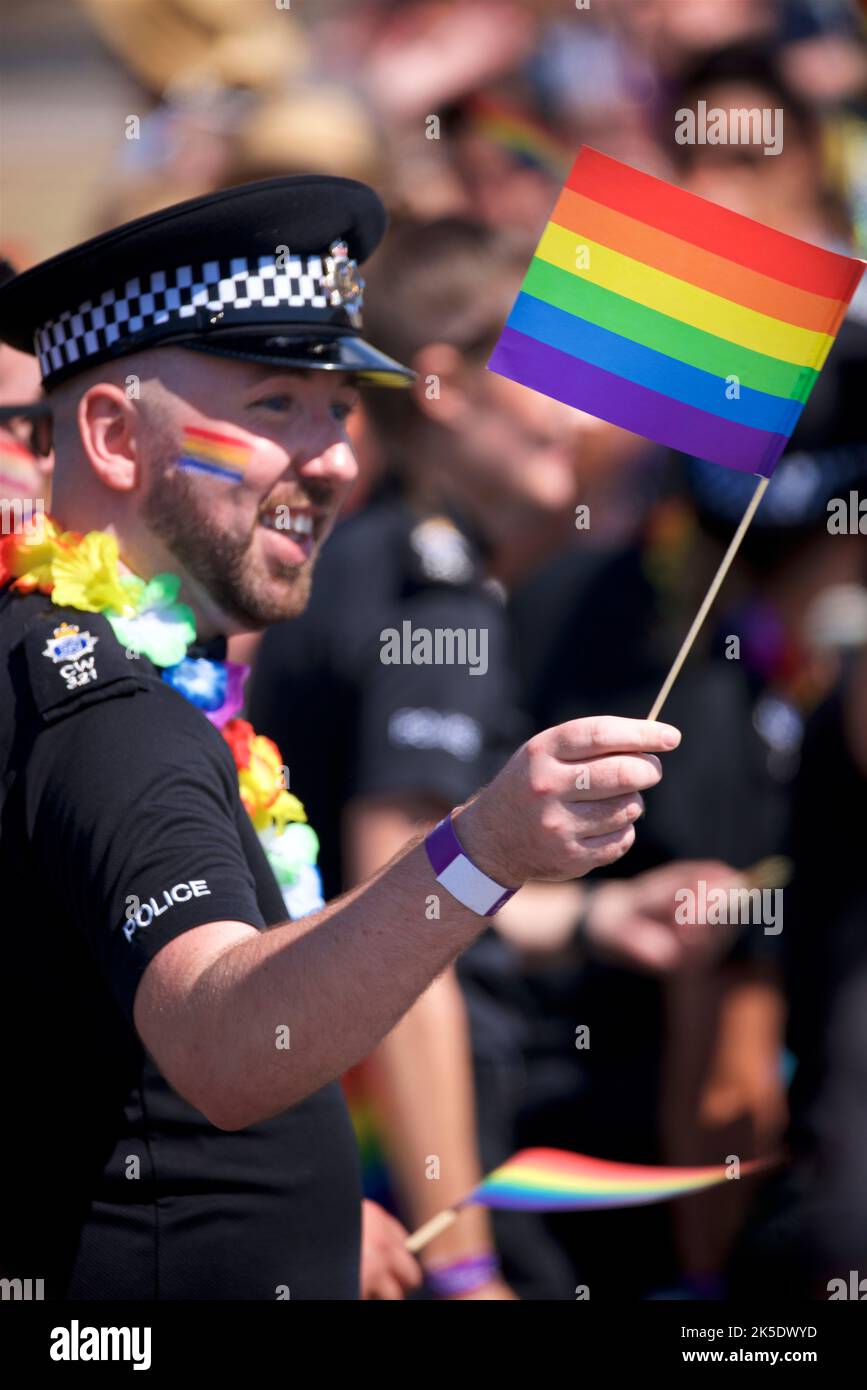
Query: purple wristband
x=462, y=1276
x=460, y=876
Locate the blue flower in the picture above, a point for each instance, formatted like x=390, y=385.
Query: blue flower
x=202, y=682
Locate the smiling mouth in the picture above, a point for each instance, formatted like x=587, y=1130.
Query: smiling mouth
x=299, y=525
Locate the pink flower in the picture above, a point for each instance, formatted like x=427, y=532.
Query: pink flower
x=237, y=675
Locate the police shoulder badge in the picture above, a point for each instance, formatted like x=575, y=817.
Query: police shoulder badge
x=68, y=643
x=73, y=647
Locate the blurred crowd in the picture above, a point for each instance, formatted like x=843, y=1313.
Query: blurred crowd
x=587, y=1017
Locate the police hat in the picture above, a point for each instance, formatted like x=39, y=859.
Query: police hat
x=266, y=271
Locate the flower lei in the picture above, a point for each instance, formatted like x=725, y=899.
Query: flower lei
x=84, y=572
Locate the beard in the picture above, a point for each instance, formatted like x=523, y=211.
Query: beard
x=223, y=564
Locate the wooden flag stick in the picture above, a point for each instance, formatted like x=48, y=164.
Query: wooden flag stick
x=774, y=872
x=431, y=1229
x=716, y=584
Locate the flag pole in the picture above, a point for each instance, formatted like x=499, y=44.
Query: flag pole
x=431, y=1229
x=716, y=584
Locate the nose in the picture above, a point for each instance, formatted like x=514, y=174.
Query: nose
x=321, y=449
x=329, y=457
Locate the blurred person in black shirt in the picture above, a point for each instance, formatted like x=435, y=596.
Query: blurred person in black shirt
x=807, y=1237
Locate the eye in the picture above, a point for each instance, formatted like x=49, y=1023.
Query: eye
x=341, y=410
x=273, y=403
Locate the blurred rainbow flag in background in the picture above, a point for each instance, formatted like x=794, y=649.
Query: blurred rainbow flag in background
x=663, y=313
x=375, y=1179
x=556, y=1180
x=516, y=130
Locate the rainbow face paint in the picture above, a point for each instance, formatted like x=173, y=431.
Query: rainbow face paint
x=213, y=454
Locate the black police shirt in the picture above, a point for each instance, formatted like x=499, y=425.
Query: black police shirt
x=121, y=828
x=350, y=724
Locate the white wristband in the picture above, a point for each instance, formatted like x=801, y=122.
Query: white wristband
x=460, y=876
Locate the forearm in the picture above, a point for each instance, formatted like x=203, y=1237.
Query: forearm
x=744, y=1074
x=420, y=1078
x=245, y=1024
x=284, y=1012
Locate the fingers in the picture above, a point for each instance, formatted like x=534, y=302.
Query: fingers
x=596, y=851
x=618, y=775
x=391, y=1274
x=606, y=733
x=605, y=816
x=404, y=1266
x=567, y=801
x=388, y=1270
x=386, y=1290
x=392, y=1242
x=654, y=948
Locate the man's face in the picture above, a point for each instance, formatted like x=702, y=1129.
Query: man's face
x=250, y=543
x=517, y=452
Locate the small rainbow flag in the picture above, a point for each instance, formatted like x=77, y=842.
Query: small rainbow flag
x=514, y=130
x=555, y=1180
x=375, y=1178
x=663, y=313
x=217, y=455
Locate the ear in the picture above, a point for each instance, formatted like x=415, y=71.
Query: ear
x=440, y=386
x=107, y=423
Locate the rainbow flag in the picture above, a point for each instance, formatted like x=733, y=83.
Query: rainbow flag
x=663, y=313
x=554, y=1180
x=217, y=455
x=514, y=130
x=375, y=1178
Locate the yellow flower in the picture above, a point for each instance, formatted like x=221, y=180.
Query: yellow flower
x=262, y=789
x=285, y=809
x=86, y=576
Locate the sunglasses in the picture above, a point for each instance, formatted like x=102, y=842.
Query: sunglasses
x=36, y=419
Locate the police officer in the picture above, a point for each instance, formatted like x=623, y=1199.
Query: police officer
x=175, y=1130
